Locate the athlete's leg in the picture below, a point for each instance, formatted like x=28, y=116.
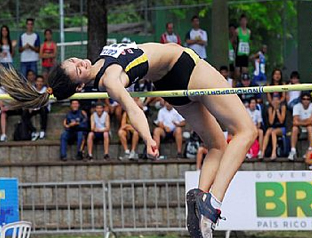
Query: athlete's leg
x=230, y=111
x=206, y=126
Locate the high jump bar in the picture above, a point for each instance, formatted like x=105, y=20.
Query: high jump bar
x=194, y=92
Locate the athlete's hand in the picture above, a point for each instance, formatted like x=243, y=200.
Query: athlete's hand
x=151, y=150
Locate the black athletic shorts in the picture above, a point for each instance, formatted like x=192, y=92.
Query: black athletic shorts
x=178, y=77
x=241, y=61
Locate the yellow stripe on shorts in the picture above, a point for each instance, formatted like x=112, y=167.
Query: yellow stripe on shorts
x=193, y=55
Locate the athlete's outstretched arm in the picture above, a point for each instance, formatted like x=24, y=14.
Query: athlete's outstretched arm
x=116, y=90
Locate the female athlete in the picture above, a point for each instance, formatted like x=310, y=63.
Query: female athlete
x=169, y=67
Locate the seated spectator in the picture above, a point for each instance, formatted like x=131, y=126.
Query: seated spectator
x=246, y=82
x=43, y=111
x=224, y=71
x=31, y=76
x=308, y=158
x=100, y=126
x=277, y=79
x=257, y=120
x=124, y=132
x=302, y=119
x=169, y=125
x=75, y=125
x=277, y=115
x=114, y=108
x=293, y=97
x=201, y=153
x=3, y=109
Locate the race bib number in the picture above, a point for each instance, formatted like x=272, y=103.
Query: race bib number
x=115, y=50
x=231, y=55
x=243, y=48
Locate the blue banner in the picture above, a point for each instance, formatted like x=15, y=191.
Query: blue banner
x=8, y=200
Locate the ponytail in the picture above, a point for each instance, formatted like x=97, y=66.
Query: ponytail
x=21, y=90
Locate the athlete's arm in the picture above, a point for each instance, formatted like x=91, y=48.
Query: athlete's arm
x=115, y=88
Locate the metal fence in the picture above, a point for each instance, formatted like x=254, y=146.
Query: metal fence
x=100, y=207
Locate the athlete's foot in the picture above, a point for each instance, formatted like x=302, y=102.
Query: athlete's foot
x=193, y=214
x=209, y=216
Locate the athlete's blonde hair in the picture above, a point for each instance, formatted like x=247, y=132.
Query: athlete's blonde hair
x=26, y=96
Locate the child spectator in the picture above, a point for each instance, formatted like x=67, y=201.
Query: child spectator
x=257, y=119
x=31, y=76
x=277, y=79
x=48, y=52
x=75, y=125
x=277, y=115
x=302, y=120
x=293, y=97
x=169, y=125
x=259, y=64
x=43, y=111
x=100, y=126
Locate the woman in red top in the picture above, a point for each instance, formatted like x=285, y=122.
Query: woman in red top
x=48, y=52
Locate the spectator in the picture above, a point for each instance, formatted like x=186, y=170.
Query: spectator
x=169, y=125
x=277, y=79
x=169, y=36
x=259, y=64
x=75, y=125
x=29, y=44
x=114, y=108
x=201, y=153
x=224, y=71
x=48, y=52
x=43, y=112
x=100, y=126
x=232, y=48
x=277, y=115
x=6, y=47
x=243, y=47
x=3, y=109
x=31, y=76
x=124, y=131
x=257, y=120
x=246, y=82
x=196, y=38
x=302, y=120
x=293, y=97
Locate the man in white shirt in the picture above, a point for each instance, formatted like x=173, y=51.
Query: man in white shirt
x=302, y=120
x=170, y=124
x=257, y=120
x=196, y=38
x=29, y=46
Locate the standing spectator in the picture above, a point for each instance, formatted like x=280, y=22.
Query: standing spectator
x=232, y=48
x=75, y=125
x=100, y=126
x=48, y=52
x=259, y=64
x=224, y=71
x=29, y=45
x=302, y=119
x=43, y=112
x=293, y=97
x=277, y=115
x=169, y=125
x=196, y=38
x=257, y=120
x=246, y=82
x=277, y=79
x=6, y=47
x=169, y=36
x=243, y=47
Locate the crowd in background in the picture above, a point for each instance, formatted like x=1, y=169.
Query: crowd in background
x=279, y=117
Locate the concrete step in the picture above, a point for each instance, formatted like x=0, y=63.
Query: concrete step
x=49, y=150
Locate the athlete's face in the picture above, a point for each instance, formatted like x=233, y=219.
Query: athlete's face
x=78, y=70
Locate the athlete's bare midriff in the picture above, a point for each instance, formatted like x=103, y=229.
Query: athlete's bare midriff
x=161, y=58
